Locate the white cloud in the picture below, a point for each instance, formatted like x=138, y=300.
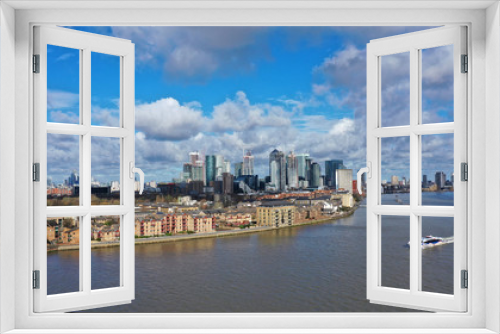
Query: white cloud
x=60, y=99
x=166, y=119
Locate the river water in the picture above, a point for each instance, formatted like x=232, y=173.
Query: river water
x=315, y=268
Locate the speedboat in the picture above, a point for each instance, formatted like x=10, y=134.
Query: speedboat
x=432, y=241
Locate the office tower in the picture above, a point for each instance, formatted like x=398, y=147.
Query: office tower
x=302, y=167
x=424, y=181
x=331, y=167
x=394, y=180
x=403, y=180
x=277, y=169
x=292, y=171
x=344, y=179
x=187, y=172
x=227, y=183
x=73, y=179
x=210, y=166
x=440, y=179
x=227, y=167
x=238, y=169
x=308, y=169
x=248, y=160
x=197, y=173
x=193, y=157
x=219, y=165
x=315, y=175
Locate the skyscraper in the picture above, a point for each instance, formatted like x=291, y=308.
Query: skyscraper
x=238, y=169
x=227, y=167
x=292, y=170
x=193, y=157
x=424, y=181
x=308, y=169
x=210, y=165
x=248, y=160
x=331, y=167
x=302, y=165
x=315, y=175
x=277, y=170
x=219, y=165
x=227, y=183
x=394, y=180
x=440, y=179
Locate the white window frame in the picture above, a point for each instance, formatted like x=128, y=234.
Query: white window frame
x=85, y=43
x=483, y=314
x=412, y=44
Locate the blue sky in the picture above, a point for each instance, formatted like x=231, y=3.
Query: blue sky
x=220, y=90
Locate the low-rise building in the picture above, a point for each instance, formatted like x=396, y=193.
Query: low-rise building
x=275, y=214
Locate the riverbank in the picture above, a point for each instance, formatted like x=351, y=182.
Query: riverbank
x=221, y=234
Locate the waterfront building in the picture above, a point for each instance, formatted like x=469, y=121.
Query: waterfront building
x=425, y=183
x=238, y=169
x=292, y=171
x=275, y=214
x=210, y=167
x=344, y=179
x=174, y=224
x=394, y=180
x=440, y=180
x=331, y=167
x=277, y=170
x=248, y=164
x=315, y=175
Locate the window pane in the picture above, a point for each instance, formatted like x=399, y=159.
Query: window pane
x=395, y=89
x=105, y=171
x=105, y=89
x=105, y=264
x=395, y=171
x=63, y=255
x=437, y=170
x=63, y=170
x=437, y=84
x=63, y=85
x=395, y=252
x=437, y=254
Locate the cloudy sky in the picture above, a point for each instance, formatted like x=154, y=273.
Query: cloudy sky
x=222, y=90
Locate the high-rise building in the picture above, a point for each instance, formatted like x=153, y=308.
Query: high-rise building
x=193, y=157
x=344, y=179
x=227, y=183
x=331, y=167
x=227, y=167
x=292, y=171
x=198, y=173
x=308, y=169
x=187, y=172
x=440, y=179
x=315, y=175
x=425, y=183
x=210, y=167
x=394, y=180
x=277, y=170
x=302, y=165
x=238, y=169
x=73, y=179
x=248, y=160
x=219, y=165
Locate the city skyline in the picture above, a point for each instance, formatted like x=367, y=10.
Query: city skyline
x=298, y=89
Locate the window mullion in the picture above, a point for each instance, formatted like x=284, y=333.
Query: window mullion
x=414, y=171
x=85, y=160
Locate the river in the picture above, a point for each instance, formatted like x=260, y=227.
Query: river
x=313, y=268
